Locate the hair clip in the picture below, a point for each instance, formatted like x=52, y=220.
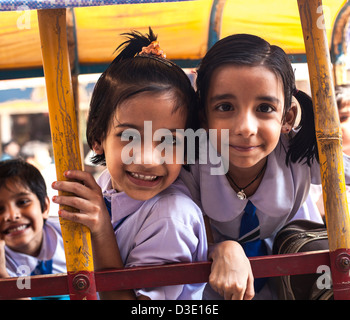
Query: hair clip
x=153, y=49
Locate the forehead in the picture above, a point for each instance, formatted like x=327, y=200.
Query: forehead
x=258, y=76
x=14, y=186
x=161, y=106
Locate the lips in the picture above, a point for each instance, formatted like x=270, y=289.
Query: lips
x=243, y=148
x=143, y=179
x=15, y=229
x=143, y=176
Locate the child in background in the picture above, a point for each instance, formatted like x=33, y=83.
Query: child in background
x=246, y=85
x=30, y=243
x=153, y=217
x=342, y=97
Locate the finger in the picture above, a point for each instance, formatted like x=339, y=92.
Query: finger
x=78, y=203
x=238, y=292
x=228, y=295
x=71, y=216
x=86, y=178
x=250, y=292
x=73, y=187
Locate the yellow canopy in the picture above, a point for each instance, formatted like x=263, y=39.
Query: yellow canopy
x=183, y=28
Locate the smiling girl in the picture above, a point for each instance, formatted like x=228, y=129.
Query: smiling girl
x=247, y=86
x=153, y=217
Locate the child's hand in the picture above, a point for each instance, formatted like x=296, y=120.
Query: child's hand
x=88, y=200
x=3, y=271
x=231, y=274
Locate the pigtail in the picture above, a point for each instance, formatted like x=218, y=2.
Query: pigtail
x=303, y=146
x=131, y=47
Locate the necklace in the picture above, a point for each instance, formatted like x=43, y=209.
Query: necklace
x=241, y=194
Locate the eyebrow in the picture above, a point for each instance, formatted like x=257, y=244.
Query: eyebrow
x=225, y=96
x=270, y=99
x=133, y=126
x=127, y=125
x=22, y=194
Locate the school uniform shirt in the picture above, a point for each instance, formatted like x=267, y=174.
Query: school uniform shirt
x=20, y=264
x=168, y=228
x=278, y=198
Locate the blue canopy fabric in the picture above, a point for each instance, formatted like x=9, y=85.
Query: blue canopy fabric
x=14, y=5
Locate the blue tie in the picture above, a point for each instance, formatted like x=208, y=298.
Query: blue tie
x=43, y=267
x=249, y=238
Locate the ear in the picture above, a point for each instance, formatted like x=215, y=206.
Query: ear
x=289, y=118
x=97, y=147
x=47, y=210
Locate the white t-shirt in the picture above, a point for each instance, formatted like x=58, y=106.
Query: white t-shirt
x=168, y=228
x=278, y=198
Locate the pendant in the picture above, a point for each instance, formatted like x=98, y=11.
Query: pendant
x=241, y=195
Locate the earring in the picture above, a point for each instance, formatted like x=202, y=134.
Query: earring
x=285, y=129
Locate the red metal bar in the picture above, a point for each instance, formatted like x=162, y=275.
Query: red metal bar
x=155, y=276
x=82, y=285
x=340, y=262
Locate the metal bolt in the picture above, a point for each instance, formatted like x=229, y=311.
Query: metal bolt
x=343, y=262
x=81, y=282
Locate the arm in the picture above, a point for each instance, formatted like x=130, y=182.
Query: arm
x=3, y=271
x=92, y=213
x=231, y=274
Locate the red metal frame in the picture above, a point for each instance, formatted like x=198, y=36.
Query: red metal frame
x=155, y=276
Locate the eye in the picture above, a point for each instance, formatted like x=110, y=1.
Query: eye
x=266, y=108
x=129, y=135
x=23, y=202
x=224, y=107
x=343, y=118
x=170, y=139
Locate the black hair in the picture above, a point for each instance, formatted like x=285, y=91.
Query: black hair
x=29, y=176
x=250, y=50
x=130, y=74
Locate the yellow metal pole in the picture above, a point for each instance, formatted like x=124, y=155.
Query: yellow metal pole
x=329, y=143
x=65, y=140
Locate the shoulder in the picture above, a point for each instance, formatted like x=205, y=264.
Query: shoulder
x=175, y=203
x=54, y=223
x=104, y=180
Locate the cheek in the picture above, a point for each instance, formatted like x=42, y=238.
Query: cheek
x=174, y=169
x=272, y=135
x=38, y=220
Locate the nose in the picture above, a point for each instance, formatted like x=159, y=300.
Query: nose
x=12, y=213
x=148, y=155
x=246, y=124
